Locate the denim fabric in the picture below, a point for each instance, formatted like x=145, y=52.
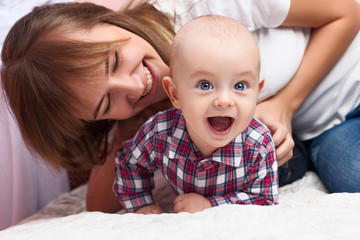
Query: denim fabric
x=296, y=167
x=335, y=155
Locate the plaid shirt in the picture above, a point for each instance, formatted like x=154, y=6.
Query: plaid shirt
x=242, y=172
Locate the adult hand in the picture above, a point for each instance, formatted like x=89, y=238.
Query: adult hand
x=150, y=209
x=191, y=203
x=274, y=114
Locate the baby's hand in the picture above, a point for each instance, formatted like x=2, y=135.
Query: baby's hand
x=191, y=203
x=150, y=209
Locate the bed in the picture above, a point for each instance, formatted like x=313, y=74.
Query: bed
x=306, y=211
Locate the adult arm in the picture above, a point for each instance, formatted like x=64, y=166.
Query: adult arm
x=334, y=25
x=100, y=196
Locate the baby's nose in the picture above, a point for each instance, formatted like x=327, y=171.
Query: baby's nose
x=224, y=100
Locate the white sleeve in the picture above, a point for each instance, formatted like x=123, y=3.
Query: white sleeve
x=254, y=14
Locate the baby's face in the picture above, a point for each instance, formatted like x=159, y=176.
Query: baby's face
x=217, y=85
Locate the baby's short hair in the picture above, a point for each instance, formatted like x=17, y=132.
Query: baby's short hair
x=215, y=26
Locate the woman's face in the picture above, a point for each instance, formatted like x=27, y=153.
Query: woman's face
x=132, y=77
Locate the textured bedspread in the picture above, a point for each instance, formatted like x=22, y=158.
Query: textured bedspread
x=306, y=211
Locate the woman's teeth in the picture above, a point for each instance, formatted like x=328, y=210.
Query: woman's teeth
x=149, y=81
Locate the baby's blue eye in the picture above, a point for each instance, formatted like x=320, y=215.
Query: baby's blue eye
x=240, y=86
x=205, y=86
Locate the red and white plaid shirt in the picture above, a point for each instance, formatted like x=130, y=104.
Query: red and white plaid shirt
x=242, y=172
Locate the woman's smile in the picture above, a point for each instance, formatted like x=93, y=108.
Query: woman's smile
x=148, y=81
x=133, y=82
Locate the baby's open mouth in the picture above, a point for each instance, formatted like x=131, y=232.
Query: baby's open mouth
x=220, y=124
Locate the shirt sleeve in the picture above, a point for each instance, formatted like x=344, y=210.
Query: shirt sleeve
x=254, y=14
x=134, y=171
x=261, y=187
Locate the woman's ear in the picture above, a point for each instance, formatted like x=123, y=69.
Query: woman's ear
x=170, y=89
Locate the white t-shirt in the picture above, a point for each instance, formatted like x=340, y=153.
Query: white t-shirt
x=252, y=13
x=336, y=96
x=26, y=183
x=281, y=51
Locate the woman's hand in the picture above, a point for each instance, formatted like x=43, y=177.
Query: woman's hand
x=191, y=203
x=277, y=117
x=150, y=209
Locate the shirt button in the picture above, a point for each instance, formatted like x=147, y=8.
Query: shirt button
x=205, y=164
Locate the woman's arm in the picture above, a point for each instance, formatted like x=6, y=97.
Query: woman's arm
x=334, y=25
x=100, y=196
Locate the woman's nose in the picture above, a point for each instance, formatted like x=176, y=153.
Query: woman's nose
x=224, y=100
x=130, y=86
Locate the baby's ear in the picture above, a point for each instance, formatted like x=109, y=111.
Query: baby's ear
x=170, y=89
x=261, y=83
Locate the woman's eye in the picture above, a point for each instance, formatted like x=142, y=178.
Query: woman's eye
x=108, y=104
x=116, y=61
x=240, y=86
x=205, y=86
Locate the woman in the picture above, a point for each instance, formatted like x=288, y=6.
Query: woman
x=68, y=60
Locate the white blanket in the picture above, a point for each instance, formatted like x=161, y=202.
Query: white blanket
x=306, y=211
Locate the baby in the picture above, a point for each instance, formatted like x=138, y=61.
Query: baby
x=209, y=146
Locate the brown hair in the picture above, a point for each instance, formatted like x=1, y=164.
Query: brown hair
x=36, y=65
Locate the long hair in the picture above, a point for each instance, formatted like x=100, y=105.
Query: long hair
x=37, y=65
